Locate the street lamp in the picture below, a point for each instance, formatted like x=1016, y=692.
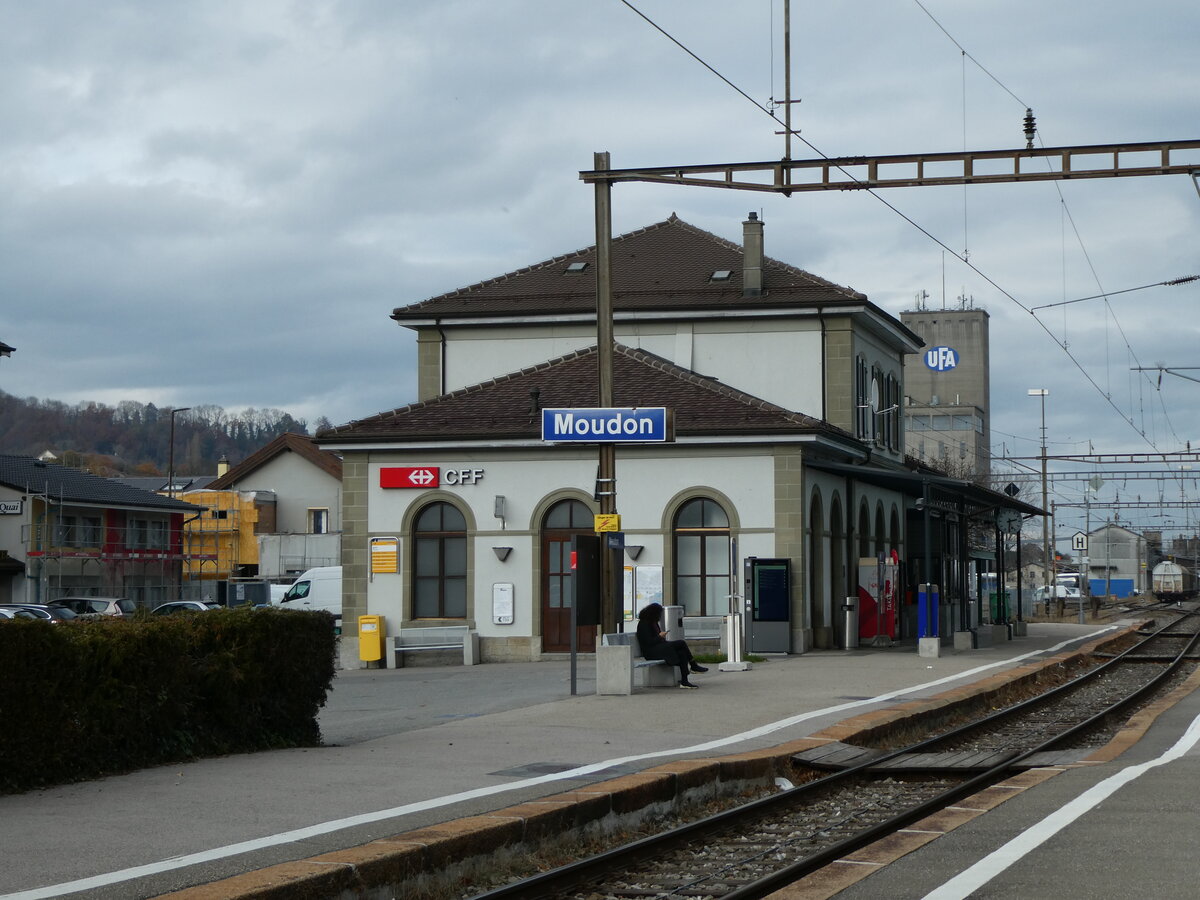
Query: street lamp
x=1042, y=392
x=171, y=454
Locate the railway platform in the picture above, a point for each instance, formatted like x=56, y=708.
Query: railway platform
x=407, y=749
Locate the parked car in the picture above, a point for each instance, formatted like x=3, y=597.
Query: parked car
x=183, y=606
x=53, y=614
x=97, y=606
x=17, y=613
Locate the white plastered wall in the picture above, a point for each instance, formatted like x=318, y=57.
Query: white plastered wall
x=648, y=482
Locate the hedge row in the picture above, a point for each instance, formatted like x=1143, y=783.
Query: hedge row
x=88, y=698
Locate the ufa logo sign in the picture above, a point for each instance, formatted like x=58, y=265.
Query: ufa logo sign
x=941, y=359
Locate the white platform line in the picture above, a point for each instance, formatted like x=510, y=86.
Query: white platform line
x=322, y=828
x=970, y=880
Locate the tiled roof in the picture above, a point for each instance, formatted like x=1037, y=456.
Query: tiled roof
x=160, y=483
x=286, y=443
x=667, y=266
x=504, y=408
x=24, y=473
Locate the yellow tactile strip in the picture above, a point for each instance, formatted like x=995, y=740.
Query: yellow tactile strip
x=394, y=859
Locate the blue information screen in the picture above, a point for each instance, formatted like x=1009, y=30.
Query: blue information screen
x=772, y=600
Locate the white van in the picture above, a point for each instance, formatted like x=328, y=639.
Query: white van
x=319, y=588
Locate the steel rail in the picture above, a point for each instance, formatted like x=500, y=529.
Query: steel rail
x=791, y=873
x=557, y=880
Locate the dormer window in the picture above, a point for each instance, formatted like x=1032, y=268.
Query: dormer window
x=721, y=275
x=576, y=268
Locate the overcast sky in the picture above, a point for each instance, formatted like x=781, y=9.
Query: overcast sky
x=221, y=202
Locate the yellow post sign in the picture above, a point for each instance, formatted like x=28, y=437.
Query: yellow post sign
x=608, y=522
x=385, y=555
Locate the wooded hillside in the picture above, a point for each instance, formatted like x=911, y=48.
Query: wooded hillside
x=134, y=438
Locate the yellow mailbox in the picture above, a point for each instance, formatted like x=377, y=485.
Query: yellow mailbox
x=372, y=631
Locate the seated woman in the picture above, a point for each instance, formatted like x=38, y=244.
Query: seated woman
x=654, y=644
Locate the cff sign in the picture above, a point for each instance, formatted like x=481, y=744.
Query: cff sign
x=426, y=476
x=941, y=359
x=626, y=425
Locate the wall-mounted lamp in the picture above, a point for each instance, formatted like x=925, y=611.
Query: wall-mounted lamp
x=502, y=552
x=633, y=551
x=498, y=509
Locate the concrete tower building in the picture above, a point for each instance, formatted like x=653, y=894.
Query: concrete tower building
x=947, y=407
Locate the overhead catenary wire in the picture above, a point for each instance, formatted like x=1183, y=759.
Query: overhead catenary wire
x=1106, y=396
x=967, y=55
x=1068, y=217
x=1187, y=279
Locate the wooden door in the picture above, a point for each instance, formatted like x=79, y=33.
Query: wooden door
x=556, y=588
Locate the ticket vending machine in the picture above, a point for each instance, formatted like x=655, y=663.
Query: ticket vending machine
x=768, y=605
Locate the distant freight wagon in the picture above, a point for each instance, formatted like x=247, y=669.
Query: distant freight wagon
x=1172, y=582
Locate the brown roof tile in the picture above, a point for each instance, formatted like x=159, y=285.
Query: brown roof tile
x=504, y=408
x=666, y=266
x=286, y=443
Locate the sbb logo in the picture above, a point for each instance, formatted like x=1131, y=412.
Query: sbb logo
x=410, y=477
x=941, y=359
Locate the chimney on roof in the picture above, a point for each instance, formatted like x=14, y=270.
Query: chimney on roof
x=752, y=256
x=222, y=465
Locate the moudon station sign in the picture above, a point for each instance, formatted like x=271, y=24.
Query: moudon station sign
x=607, y=425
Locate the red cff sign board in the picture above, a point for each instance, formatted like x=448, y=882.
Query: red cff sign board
x=410, y=477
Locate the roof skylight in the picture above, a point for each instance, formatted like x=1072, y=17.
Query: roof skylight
x=721, y=275
x=576, y=268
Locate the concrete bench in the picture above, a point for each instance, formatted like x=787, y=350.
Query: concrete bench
x=437, y=637
x=619, y=656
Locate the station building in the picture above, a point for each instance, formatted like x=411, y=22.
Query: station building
x=786, y=394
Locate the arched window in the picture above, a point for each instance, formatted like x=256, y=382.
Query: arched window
x=702, y=558
x=440, y=563
x=862, y=398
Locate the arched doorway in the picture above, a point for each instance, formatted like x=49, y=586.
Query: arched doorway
x=880, y=532
x=816, y=568
x=561, y=523
x=837, y=574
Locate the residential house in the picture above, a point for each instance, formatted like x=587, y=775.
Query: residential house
x=64, y=531
x=305, y=529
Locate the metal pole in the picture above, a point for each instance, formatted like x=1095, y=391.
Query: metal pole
x=931, y=611
x=1085, y=585
x=171, y=461
x=1019, y=593
x=787, y=80
x=1107, y=560
x=1046, y=557
x=171, y=492
x=607, y=475
x=1047, y=578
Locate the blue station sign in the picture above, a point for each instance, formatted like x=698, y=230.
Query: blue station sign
x=607, y=425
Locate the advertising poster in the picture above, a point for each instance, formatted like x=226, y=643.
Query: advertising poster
x=877, y=598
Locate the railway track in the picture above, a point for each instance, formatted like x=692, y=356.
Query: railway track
x=759, y=847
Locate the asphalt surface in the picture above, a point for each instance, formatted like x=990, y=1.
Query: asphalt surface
x=412, y=747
